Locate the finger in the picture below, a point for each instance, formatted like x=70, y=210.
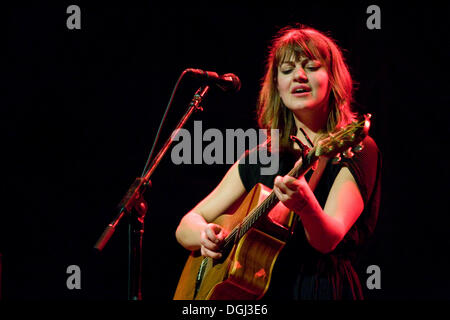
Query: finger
x=209, y=253
x=281, y=196
x=222, y=235
x=207, y=243
x=301, y=186
x=277, y=179
x=211, y=234
x=278, y=182
x=215, y=228
x=220, y=232
x=283, y=187
x=290, y=182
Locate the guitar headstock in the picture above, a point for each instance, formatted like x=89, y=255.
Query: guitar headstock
x=345, y=141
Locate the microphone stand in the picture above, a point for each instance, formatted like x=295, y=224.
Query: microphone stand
x=135, y=207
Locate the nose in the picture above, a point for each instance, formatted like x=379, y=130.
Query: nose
x=300, y=75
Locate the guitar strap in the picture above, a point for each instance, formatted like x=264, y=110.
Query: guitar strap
x=317, y=167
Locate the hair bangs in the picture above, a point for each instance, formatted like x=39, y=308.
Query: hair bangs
x=298, y=44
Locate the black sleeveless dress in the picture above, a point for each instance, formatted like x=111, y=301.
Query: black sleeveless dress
x=301, y=272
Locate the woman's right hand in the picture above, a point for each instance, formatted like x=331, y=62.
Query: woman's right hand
x=211, y=240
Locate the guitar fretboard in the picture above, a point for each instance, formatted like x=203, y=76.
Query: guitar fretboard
x=267, y=204
x=330, y=146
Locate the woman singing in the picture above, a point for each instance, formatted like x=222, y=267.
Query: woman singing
x=307, y=92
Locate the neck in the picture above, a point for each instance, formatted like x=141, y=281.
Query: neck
x=311, y=121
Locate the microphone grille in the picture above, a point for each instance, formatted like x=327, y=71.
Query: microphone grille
x=235, y=80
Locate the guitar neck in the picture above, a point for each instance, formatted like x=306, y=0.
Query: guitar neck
x=269, y=203
x=343, y=140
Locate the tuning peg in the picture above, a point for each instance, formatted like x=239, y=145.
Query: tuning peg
x=348, y=153
x=358, y=147
x=336, y=159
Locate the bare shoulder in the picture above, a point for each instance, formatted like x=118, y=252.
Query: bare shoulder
x=344, y=200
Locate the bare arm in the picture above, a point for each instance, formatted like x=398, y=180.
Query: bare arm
x=326, y=227
x=195, y=230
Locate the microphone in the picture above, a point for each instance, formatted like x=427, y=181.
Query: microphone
x=226, y=82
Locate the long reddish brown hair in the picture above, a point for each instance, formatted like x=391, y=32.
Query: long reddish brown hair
x=304, y=41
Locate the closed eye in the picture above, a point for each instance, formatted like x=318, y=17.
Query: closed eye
x=286, y=71
x=313, y=68
x=310, y=66
x=313, y=65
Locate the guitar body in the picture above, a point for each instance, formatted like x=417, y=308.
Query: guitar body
x=244, y=273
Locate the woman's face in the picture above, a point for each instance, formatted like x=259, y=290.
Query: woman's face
x=303, y=84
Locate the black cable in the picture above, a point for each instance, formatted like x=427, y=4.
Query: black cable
x=162, y=122
x=307, y=137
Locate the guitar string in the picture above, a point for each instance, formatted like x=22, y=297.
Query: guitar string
x=250, y=219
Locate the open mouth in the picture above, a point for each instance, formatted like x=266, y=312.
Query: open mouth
x=298, y=90
x=300, y=93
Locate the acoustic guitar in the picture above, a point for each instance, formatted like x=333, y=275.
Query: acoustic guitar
x=255, y=239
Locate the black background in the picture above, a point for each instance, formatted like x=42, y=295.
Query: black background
x=81, y=109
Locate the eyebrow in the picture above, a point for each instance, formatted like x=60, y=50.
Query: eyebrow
x=291, y=62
